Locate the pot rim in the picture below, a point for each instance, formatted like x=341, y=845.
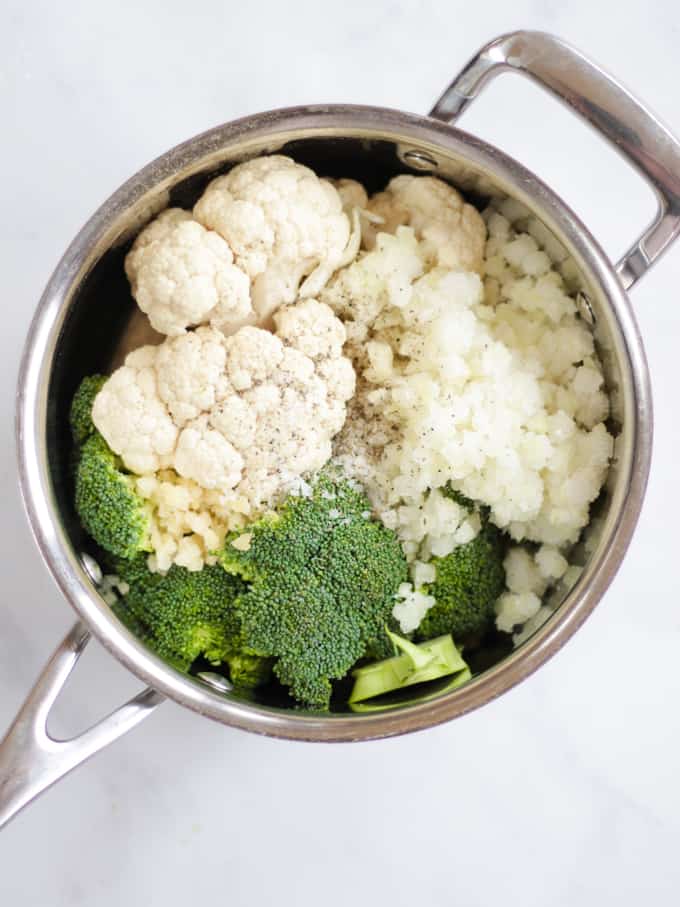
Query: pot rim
x=34, y=479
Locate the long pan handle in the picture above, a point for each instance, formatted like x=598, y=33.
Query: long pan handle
x=30, y=759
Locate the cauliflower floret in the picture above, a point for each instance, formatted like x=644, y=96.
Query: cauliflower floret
x=339, y=376
x=312, y=328
x=191, y=373
x=285, y=406
x=452, y=231
x=294, y=367
x=493, y=385
x=411, y=607
x=131, y=416
x=282, y=223
x=352, y=194
x=243, y=416
x=204, y=455
x=375, y=281
x=236, y=420
x=182, y=275
x=522, y=573
x=332, y=418
x=263, y=397
x=551, y=564
x=159, y=229
x=252, y=355
x=514, y=608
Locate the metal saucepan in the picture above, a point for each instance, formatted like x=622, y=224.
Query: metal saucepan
x=80, y=325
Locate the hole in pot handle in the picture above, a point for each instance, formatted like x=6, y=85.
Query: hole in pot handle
x=30, y=759
x=605, y=104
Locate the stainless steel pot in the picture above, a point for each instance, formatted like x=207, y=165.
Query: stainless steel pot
x=71, y=330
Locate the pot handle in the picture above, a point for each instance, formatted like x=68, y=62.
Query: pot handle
x=30, y=759
x=604, y=103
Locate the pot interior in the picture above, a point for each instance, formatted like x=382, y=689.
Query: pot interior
x=101, y=320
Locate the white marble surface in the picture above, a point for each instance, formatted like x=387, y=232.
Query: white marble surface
x=565, y=792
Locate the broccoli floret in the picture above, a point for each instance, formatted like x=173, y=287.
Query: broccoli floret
x=468, y=582
x=81, y=407
x=381, y=646
x=323, y=578
x=134, y=571
x=109, y=508
x=186, y=614
x=248, y=671
x=131, y=621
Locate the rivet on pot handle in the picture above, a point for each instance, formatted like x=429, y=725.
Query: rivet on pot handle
x=30, y=759
x=593, y=94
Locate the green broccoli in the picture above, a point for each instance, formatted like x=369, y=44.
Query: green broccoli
x=188, y=613
x=185, y=614
x=131, y=621
x=413, y=664
x=109, y=508
x=134, y=570
x=248, y=671
x=81, y=407
x=323, y=578
x=468, y=582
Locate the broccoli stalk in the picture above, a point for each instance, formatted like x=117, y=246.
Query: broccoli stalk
x=323, y=577
x=416, y=664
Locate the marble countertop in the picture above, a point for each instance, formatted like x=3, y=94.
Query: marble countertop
x=565, y=791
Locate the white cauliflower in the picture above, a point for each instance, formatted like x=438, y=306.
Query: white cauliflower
x=375, y=281
x=283, y=224
x=204, y=455
x=411, y=606
x=312, y=328
x=339, y=376
x=515, y=608
x=131, y=416
x=288, y=398
x=183, y=275
x=236, y=420
x=352, y=194
x=217, y=427
x=452, y=232
x=191, y=373
x=502, y=398
x=253, y=354
x=355, y=205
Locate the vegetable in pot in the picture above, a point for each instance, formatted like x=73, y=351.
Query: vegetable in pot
x=185, y=614
x=106, y=501
x=468, y=583
x=322, y=578
x=415, y=664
